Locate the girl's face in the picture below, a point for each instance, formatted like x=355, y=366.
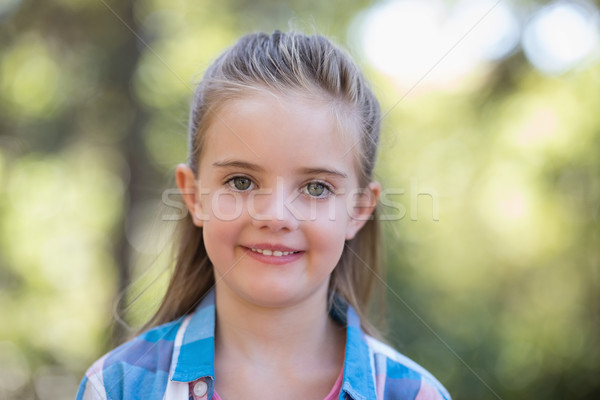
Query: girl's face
x=277, y=196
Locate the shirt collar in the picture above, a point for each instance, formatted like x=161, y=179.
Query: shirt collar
x=359, y=379
x=194, y=349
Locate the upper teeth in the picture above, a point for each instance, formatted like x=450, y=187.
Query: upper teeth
x=275, y=253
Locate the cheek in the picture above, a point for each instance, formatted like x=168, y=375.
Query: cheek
x=326, y=246
x=332, y=210
x=220, y=241
x=222, y=227
x=328, y=229
x=223, y=206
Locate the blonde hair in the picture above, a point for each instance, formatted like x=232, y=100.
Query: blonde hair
x=282, y=63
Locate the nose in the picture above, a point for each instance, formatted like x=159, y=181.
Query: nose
x=272, y=208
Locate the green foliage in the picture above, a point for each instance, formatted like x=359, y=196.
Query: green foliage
x=507, y=276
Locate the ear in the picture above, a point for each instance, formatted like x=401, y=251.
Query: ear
x=361, y=207
x=186, y=182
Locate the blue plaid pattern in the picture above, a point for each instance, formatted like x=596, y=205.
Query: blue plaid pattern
x=160, y=363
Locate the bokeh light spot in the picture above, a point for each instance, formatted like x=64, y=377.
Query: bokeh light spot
x=561, y=35
x=411, y=40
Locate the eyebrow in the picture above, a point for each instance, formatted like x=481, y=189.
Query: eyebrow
x=325, y=171
x=238, y=164
x=258, y=168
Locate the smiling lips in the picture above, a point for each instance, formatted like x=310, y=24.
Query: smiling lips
x=274, y=254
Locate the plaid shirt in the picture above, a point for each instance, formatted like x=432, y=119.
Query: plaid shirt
x=161, y=363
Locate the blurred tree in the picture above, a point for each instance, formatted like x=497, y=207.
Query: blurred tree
x=498, y=298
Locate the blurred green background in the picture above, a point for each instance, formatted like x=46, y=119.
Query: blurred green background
x=490, y=160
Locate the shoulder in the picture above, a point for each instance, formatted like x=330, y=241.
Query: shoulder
x=398, y=375
x=136, y=369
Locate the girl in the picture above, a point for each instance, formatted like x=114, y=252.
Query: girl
x=277, y=257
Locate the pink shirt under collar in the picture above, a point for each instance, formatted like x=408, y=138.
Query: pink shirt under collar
x=333, y=394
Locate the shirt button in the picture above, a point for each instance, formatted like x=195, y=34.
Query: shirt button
x=200, y=388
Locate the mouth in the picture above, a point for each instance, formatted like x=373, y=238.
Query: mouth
x=273, y=253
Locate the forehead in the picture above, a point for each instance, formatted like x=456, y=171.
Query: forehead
x=280, y=130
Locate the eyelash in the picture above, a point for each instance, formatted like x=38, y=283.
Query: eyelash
x=329, y=190
x=229, y=182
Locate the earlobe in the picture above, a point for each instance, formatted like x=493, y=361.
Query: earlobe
x=186, y=182
x=362, y=208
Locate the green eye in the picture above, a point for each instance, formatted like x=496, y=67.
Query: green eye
x=240, y=183
x=316, y=189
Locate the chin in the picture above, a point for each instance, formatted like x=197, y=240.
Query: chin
x=273, y=297
x=281, y=296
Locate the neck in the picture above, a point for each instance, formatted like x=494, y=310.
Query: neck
x=301, y=335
